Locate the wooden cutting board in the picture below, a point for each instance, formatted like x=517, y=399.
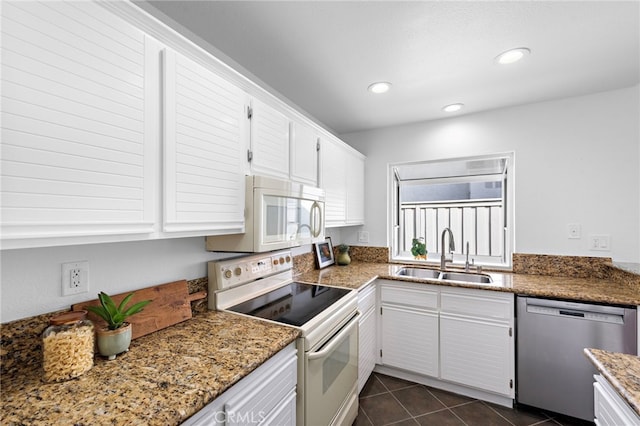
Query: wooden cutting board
x=170, y=304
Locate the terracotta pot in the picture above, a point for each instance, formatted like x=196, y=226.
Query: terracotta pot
x=114, y=342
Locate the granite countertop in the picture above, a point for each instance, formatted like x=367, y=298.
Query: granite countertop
x=358, y=274
x=622, y=371
x=165, y=377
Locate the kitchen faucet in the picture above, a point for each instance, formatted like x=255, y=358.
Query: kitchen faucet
x=452, y=247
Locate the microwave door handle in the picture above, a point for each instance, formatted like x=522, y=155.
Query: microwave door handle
x=335, y=340
x=316, y=219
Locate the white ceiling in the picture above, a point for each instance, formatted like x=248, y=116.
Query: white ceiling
x=322, y=55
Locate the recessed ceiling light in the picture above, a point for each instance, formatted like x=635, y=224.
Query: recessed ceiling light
x=453, y=107
x=512, y=55
x=379, y=87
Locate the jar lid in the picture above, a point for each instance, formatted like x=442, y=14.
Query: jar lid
x=68, y=317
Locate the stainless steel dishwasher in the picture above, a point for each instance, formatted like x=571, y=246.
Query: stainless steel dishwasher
x=552, y=370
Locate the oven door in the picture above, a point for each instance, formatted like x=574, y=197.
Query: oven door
x=331, y=376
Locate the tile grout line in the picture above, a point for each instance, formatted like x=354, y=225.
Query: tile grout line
x=405, y=408
x=491, y=408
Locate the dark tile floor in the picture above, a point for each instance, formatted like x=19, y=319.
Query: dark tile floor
x=386, y=400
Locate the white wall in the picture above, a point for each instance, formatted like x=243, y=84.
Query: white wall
x=576, y=160
x=31, y=278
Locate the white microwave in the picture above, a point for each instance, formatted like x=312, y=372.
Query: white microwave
x=278, y=214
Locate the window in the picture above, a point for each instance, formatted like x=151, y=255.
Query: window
x=472, y=196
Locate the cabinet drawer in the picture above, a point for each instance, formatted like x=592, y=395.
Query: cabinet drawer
x=268, y=390
x=478, y=303
x=284, y=414
x=418, y=297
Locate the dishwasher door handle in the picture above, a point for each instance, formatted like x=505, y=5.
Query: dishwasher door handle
x=571, y=313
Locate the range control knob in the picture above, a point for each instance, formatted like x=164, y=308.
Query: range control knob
x=227, y=273
x=275, y=261
x=288, y=258
x=237, y=271
x=282, y=261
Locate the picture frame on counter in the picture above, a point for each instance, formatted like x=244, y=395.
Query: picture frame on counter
x=324, y=253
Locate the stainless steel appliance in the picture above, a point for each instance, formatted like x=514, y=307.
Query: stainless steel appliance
x=261, y=285
x=279, y=214
x=552, y=370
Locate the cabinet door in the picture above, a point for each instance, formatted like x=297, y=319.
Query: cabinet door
x=269, y=141
x=476, y=353
x=410, y=339
x=205, y=148
x=355, y=189
x=304, y=154
x=367, y=333
x=333, y=176
x=79, y=86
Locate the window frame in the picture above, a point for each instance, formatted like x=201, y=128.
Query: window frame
x=508, y=199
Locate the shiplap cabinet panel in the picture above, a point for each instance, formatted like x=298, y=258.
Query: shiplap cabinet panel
x=410, y=328
x=333, y=176
x=78, y=141
x=476, y=353
x=269, y=140
x=410, y=339
x=342, y=178
x=204, y=151
x=477, y=340
x=355, y=190
x=304, y=154
x=367, y=340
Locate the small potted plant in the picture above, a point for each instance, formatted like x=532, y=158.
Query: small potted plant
x=115, y=338
x=419, y=249
x=343, y=255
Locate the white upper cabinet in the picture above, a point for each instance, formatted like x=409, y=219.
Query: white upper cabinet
x=204, y=149
x=333, y=176
x=78, y=138
x=304, y=153
x=355, y=189
x=342, y=178
x=269, y=150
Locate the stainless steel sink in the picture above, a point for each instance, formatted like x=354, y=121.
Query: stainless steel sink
x=419, y=273
x=434, y=274
x=465, y=277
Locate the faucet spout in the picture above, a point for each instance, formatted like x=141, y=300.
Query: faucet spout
x=452, y=247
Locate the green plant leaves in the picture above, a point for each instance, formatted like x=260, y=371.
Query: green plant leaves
x=116, y=315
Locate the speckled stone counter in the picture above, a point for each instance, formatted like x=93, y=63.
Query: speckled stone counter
x=358, y=274
x=165, y=377
x=622, y=371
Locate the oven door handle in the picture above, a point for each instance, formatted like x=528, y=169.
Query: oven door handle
x=336, y=339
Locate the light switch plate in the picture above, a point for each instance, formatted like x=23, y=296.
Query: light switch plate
x=600, y=242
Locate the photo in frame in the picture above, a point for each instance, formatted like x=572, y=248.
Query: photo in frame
x=324, y=253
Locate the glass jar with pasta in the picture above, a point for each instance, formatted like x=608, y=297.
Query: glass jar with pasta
x=67, y=346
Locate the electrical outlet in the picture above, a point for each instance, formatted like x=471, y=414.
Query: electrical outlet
x=573, y=230
x=363, y=236
x=75, y=278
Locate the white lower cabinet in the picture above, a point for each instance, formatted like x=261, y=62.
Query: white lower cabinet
x=267, y=396
x=477, y=346
x=409, y=327
x=367, y=341
x=459, y=339
x=609, y=408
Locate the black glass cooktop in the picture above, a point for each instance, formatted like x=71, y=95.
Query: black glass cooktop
x=293, y=304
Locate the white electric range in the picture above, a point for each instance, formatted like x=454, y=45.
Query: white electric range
x=262, y=286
